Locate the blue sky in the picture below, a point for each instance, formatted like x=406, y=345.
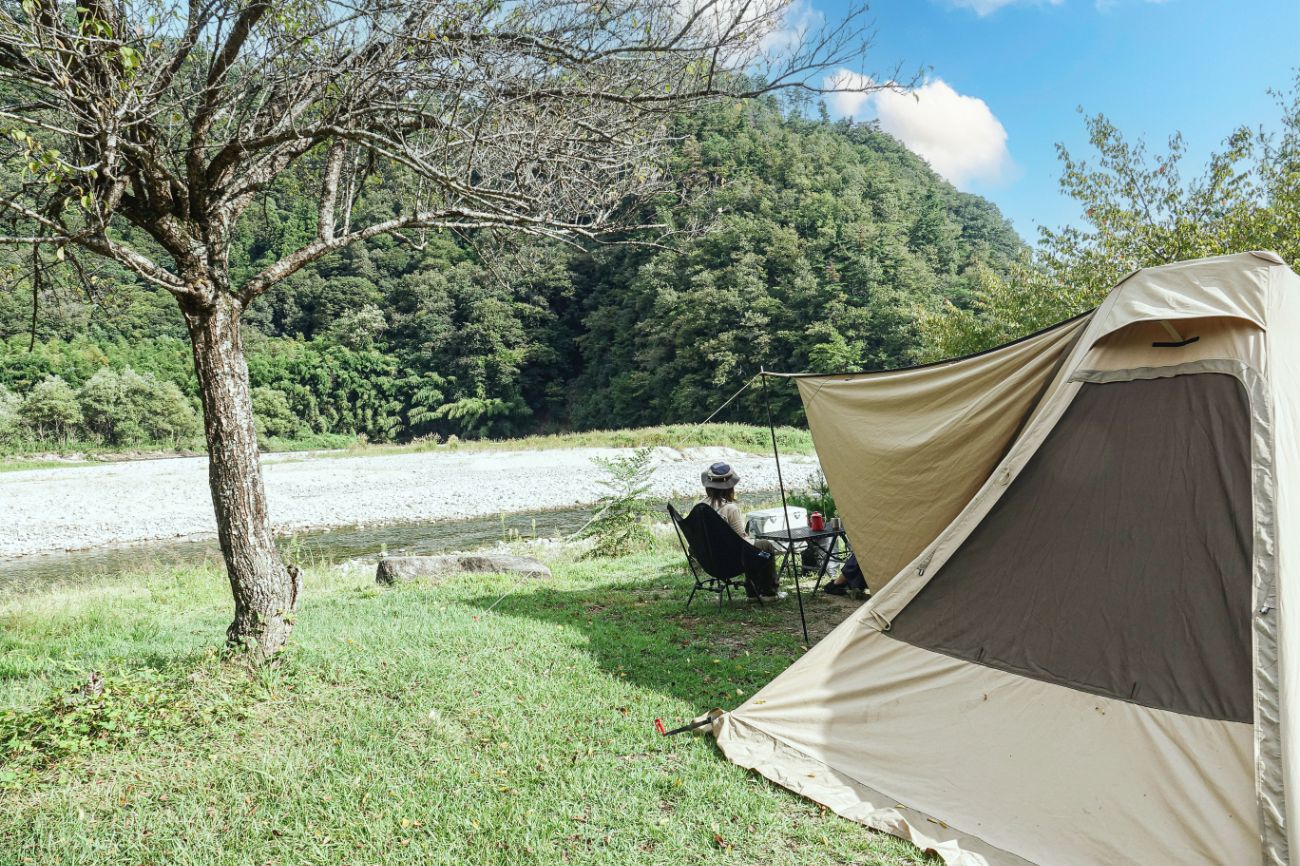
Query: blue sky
x=1025, y=67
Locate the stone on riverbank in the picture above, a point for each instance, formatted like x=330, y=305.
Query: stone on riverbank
x=399, y=569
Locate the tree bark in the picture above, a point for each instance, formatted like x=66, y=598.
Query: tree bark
x=266, y=591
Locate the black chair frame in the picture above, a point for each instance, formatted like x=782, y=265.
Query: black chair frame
x=717, y=556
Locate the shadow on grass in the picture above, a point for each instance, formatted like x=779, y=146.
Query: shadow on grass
x=707, y=656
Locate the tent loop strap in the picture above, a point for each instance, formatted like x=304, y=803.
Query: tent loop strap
x=881, y=621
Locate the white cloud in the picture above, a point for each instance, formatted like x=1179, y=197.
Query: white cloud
x=847, y=103
x=759, y=31
x=799, y=20
x=988, y=7
x=958, y=135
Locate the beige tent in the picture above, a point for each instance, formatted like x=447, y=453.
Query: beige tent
x=1084, y=636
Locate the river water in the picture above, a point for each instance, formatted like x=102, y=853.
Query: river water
x=36, y=573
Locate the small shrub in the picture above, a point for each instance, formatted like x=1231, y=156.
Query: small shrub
x=164, y=412
x=100, y=398
x=127, y=408
x=51, y=409
x=11, y=422
x=273, y=415
x=621, y=524
x=816, y=497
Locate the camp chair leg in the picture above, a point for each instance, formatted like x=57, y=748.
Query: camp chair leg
x=690, y=563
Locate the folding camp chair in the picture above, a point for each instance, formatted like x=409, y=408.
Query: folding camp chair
x=711, y=546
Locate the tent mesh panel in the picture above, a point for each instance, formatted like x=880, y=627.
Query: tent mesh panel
x=1119, y=560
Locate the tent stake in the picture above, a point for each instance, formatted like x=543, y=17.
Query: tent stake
x=785, y=509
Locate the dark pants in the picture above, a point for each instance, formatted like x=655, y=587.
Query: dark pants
x=853, y=576
x=765, y=583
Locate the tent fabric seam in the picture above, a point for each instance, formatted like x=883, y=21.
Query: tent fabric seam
x=1063, y=683
x=1269, y=770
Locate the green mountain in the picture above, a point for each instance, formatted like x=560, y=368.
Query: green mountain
x=798, y=244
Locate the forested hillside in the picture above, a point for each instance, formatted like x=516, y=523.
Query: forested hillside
x=805, y=244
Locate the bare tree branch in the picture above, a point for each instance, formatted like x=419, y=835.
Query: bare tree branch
x=548, y=117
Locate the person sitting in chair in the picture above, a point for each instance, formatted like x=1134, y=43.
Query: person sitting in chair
x=720, y=482
x=849, y=578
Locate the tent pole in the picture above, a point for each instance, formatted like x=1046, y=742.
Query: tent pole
x=785, y=509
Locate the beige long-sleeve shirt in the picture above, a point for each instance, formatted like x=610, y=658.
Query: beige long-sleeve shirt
x=730, y=512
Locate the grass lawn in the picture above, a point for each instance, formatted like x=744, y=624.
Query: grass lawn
x=15, y=464
x=749, y=438
x=476, y=721
x=753, y=439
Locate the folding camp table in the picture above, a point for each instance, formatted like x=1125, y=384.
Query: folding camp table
x=789, y=540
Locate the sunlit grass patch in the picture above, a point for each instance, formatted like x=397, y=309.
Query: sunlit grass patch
x=474, y=720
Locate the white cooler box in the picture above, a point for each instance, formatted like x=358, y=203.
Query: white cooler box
x=769, y=520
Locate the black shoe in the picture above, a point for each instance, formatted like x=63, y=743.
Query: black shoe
x=836, y=588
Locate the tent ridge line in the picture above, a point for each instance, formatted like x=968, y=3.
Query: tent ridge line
x=1224, y=366
x=1071, y=685
x=954, y=360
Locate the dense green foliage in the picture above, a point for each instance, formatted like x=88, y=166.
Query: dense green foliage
x=826, y=239
x=1138, y=210
x=811, y=245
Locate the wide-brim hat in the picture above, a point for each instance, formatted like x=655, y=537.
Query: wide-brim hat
x=719, y=476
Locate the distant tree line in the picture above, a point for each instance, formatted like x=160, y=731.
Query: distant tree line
x=804, y=244
x=1138, y=209
x=818, y=245
x=112, y=407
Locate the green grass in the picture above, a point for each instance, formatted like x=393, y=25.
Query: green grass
x=478, y=721
x=18, y=465
x=743, y=437
x=40, y=454
x=314, y=442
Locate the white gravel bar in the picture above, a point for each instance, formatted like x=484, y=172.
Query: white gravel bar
x=77, y=508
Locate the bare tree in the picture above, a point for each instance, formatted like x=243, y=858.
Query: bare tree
x=140, y=131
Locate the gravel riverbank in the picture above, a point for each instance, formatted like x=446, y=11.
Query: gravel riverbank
x=61, y=509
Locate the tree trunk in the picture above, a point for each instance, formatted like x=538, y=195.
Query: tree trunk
x=265, y=590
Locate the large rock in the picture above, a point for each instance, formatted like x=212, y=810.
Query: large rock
x=398, y=569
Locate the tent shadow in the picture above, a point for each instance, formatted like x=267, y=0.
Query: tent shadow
x=707, y=656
